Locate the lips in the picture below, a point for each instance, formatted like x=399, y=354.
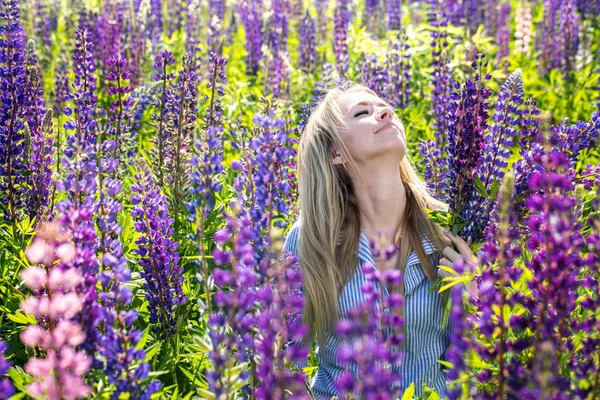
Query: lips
x=389, y=124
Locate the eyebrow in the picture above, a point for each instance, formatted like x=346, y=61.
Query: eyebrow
x=364, y=103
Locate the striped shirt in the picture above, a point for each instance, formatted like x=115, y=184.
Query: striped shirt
x=426, y=341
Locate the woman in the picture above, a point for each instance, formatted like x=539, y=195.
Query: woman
x=355, y=183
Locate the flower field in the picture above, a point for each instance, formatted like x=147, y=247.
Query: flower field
x=148, y=182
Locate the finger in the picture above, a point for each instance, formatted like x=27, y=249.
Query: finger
x=441, y=273
x=461, y=245
x=451, y=254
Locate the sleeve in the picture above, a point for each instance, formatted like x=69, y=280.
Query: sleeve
x=291, y=246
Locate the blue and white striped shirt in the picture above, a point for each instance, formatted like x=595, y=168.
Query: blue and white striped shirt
x=426, y=341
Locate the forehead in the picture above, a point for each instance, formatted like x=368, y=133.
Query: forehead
x=348, y=101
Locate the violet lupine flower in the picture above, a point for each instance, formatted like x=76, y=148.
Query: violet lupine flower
x=321, y=6
x=120, y=111
x=156, y=21
x=568, y=39
x=442, y=75
x=454, y=9
x=279, y=321
x=308, y=44
x=374, y=76
x=251, y=12
x=6, y=387
x=84, y=87
x=556, y=245
x=158, y=254
x=159, y=120
x=523, y=28
x=474, y=13
x=435, y=168
x=394, y=14
x=340, y=35
x=547, y=37
x=571, y=139
x=498, y=260
x=372, y=340
x=56, y=305
x=107, y=35
x=530, y=123
x=12, y=139
x=399, y=70
x=215, y=34
x=467, y=122
x=503, y=33
x=41, y=149
x=496, y=151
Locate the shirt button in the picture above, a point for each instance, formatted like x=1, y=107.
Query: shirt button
x=386, y=310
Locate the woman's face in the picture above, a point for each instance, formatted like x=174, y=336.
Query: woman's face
x=372, y=132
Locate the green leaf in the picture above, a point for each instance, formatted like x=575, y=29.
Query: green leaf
x=22, y=319
x=409, y=392
x=446, y=364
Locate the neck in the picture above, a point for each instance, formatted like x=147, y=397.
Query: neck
x=381, y=201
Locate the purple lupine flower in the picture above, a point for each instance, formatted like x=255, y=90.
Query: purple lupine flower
x=556, y=244
x=568, y=40
x=496, y=145
x=251, y=12
x=474, y=11
x=308, y=44
x=399, y=70
x=372, y=340
x=394, y=14
x=156, y=21
x=159, y=120
x=39, y=131
x=60, y=95
x=455, y=12
x=107, y=38
x=340, y=36
x=84, y=87
x=12, y=139
x=571, y=139
x=278, y=75
x=158, y=254
x=547, y=37
x=374, y=76
x=279, y=321
x=498, y=261
x=442, y=75
x=467, y=122
x=6, y=387
x=503, y=33
x=56, y=304
x=435, y=171
x=530, y=123
x=120, y=130
x=215, y=35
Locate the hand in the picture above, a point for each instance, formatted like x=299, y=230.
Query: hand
x=451, y=257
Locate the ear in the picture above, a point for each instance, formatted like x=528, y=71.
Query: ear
x=337, y=158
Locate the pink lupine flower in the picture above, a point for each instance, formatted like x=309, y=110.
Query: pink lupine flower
x=34, y=277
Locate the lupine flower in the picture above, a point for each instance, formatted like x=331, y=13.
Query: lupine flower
x=495, y=152
x=555, y=243
x=500, y=273
x=159, y=120
x=278, y=57
x=56, y=303
x=321, y=7
x=454, y=12
x=158, y=254
x=523, y=28
x=39, y=132
x=340, y=33
x=120, y=130
x=394, y=14
x=6, y=387
x=399, y=71
x=374, y=76
x=107, y=27
x=435, y=168
x=466, y=129
x=308, y=44
x=12, y=145
x=568, y=39
x=442, y=75
x=546, y=42
x=372, y=340
x=251, y=12
x=503, y=33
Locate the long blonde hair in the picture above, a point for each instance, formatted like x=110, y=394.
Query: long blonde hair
x=328, y=207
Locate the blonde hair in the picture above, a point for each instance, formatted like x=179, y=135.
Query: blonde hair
x=328, y=207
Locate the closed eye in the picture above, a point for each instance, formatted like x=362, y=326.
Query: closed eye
x=361, y=112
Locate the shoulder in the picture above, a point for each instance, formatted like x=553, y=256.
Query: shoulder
x=428, y=246
x=291, y=240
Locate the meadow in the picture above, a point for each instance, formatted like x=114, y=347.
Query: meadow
x=148, y=181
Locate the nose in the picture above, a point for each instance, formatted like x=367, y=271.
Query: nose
x=386, y=112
